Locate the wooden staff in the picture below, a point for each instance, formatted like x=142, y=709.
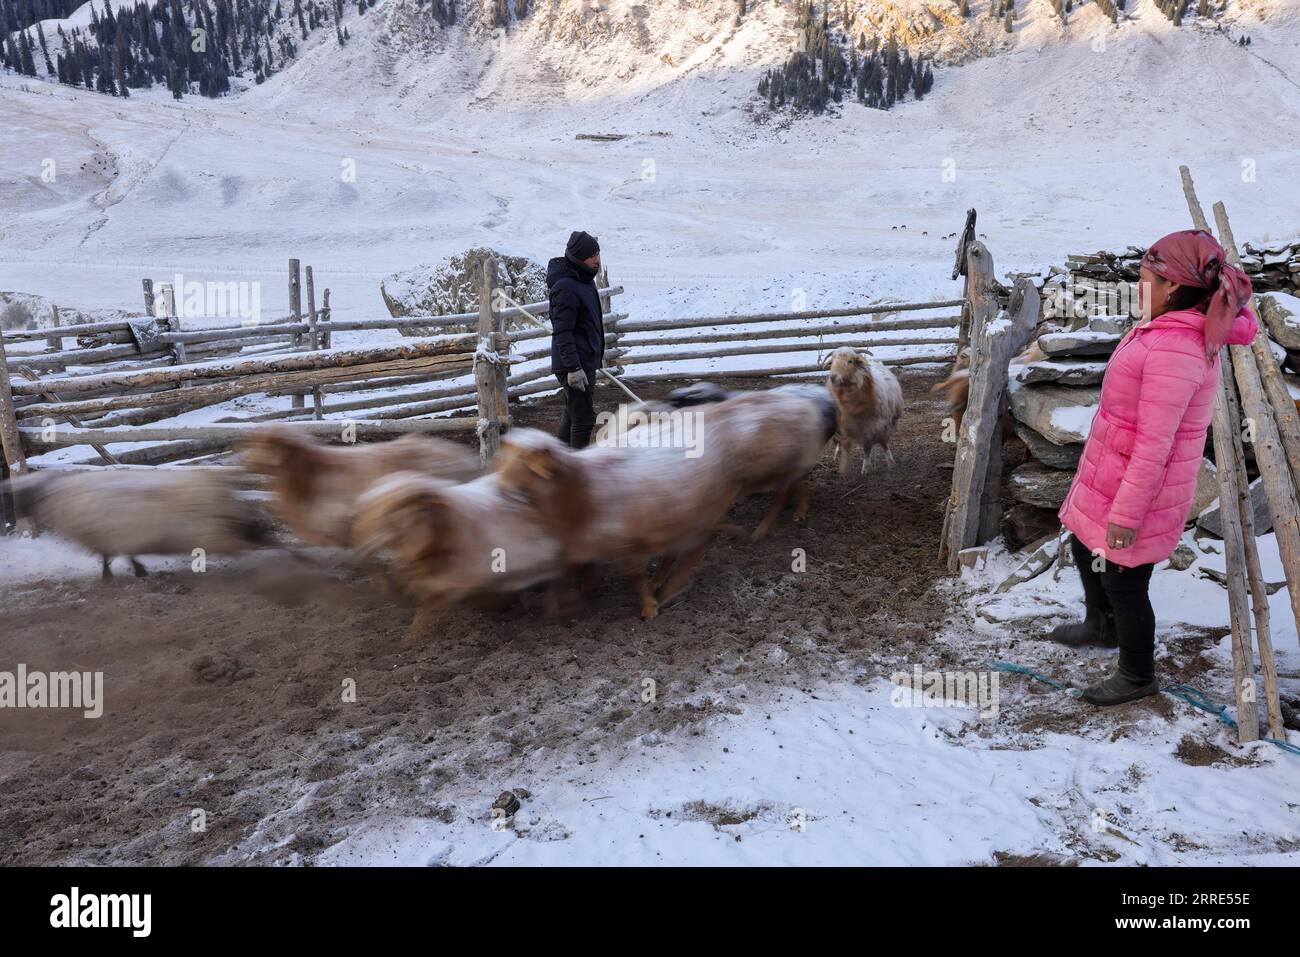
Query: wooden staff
x=1279, y=486
x=1237, y=545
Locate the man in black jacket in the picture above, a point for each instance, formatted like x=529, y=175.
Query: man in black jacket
x=577, y=333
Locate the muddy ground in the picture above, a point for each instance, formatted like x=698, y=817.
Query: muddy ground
x=225, y=690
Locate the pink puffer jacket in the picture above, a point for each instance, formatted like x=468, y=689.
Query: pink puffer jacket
x=1143, y=453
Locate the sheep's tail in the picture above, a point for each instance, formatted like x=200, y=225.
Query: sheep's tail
x=958, y=376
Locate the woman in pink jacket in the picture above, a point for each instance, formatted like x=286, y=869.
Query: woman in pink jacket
x=1137, y=476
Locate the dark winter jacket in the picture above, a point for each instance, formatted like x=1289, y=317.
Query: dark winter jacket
x=577, y=324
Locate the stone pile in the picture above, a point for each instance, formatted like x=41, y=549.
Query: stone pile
x=1053, y=398
x=1272, y=268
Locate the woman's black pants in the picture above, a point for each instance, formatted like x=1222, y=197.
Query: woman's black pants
x=579, y=416
x=1110, y=589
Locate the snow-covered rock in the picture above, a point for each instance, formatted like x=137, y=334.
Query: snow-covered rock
x=1210, y=521
x=1083, y=342
x=452, y=286
x=1064, y=371
x=1060, y=413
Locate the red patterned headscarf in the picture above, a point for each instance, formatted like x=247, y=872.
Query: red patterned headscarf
x=1192, y=257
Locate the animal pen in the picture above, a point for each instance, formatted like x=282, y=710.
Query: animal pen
x=134, y=376
x=127, y=381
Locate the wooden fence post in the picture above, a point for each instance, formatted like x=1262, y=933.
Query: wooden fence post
x=148, y=296
x=325, y=318
x=485, y=372
x=313, y=342
x=295, y=307
x=11, y=445
x=1241, y=560
x=614, y=337
x=1241, y=553
x=54, y=343
x=962, y=268
x=974, y=507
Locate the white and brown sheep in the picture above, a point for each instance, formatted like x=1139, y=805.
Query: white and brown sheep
x=869, y=402
x=136, y=512
x=316, y=486
x=449, y=542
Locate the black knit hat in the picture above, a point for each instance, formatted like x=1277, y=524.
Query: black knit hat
x=581, y=246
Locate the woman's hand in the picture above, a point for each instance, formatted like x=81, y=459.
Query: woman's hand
x=1118, y=537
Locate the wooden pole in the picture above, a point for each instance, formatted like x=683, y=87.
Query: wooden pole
x=72, y=420
x=1279, y=485
x=148, y=296
x=615, y=339
x=1237, y=545
x=970, y=511
x=1258, y=596
x=1193, y=204
x=774, y=348
x=652, y=325
x=485, y=375
x=54, y=343
x=1279, y=397
x=611, y=323
x=1022, y=309
x=295, y=308
x=313, y=340
x=325, y=319
x=1231, y=477
x=235, y=432
x=11, y=445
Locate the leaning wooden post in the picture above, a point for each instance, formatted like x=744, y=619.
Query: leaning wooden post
x=1022, y=310
x=10, y=441
x=1233, y=490
x=1279, y=486
x=1248, y=714
x=979, y=307
x=485, y=374
x=313, y=342
x=992, y=346
x=1279, y=397
x=961, y=268
x=170, y=320
x=295, y=308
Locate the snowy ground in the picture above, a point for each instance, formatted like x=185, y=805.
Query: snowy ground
x=1063, y=144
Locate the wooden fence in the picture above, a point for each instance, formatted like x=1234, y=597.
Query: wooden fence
x=128, y=380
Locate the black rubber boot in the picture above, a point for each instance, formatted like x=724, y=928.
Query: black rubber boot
x=1119, y=689
x=1097, y=630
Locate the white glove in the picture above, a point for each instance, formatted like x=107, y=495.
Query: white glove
x=577, y=379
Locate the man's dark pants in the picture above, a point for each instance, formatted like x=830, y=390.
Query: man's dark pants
x=579, y=411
